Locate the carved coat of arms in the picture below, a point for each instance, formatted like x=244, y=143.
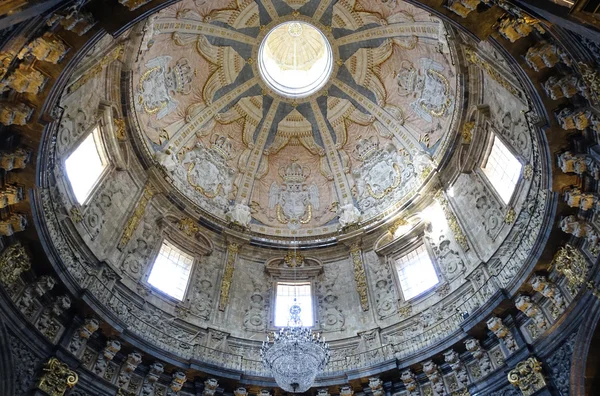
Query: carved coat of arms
x=295, y=200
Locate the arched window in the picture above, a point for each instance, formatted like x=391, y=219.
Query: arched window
x=171, y=270
x=85, y=165
x=416, y=272
x=502, y=169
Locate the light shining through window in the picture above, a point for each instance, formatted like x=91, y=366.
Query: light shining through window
x=171, y=271
x=502, y=170
x=84, y=167
x=289, y=294
x=416, y=272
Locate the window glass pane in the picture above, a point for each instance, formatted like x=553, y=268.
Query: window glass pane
x=171, y=271
x=84, y=167
x=416, y=272
x=502, y=170
x=289, y=294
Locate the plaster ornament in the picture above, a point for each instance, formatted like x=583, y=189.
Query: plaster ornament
x=160, y=83
x=502, y=332
x=82, y=335
x=295, y=199
x=581, y=229
x=241, y=391
x=348, y=215
x=131, y=363
x=210, y=387
x=549, y=290
x=453, y=359
x=579, y=164
x=14, y=260
x=483, y=360
x=156, y=369
x=577, y=199
x=569, y=118
x=527, y=375
x=18, y=159
x=107, y=354
x=562, y=87
x=376, y=386
x=10, y=195
x=48, y=322
x=47, y=48
x=57, y=378
x=239, y=214
x=434, y=375
x=410, y=383
x=346, y=390
x=544, y=54
x=462, y=7
x=177, y=382
x=532, y=310
x=15, y=113
x=23, y=80
x=34, y=291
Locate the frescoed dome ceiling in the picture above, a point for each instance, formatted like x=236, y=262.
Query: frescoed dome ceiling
x=356, y=149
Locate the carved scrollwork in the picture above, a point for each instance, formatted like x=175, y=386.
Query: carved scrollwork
x=527, y=375
x=57, y=377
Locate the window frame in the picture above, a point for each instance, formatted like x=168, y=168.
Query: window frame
x=484, y=177
x=97, y=130
x=313, y=301
x=152, y=262
x=406, y=249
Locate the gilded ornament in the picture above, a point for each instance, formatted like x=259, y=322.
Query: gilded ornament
x=570, y=262
x=467, y=132
x=591, y=285
x=136, y=217
x=527, y=375
x=510, y=216
x=120, y=129
x=188, y=226
x=293, y=259
x=115, y=54
x=56, y=378
x=359, y=276
x=232, y=251
x=75, y=214
x=405, y=310
x=528, y=172
x=13, y=262
x=591, y=77
x=457, y=231
x=474, y=58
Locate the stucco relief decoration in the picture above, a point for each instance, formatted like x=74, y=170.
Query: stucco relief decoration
x=294, y=200
x=222, y=134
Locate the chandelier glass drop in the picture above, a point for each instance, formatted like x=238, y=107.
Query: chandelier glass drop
x=295, y=355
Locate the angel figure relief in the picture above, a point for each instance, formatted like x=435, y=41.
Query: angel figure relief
x=295, y=200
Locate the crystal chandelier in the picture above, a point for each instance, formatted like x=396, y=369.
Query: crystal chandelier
x=295, y=355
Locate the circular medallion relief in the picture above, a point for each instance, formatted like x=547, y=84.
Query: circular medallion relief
x=295, y=59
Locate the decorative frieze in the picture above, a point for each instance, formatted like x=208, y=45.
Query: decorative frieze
x=410, y=383
x=34, y=291
x=18, y=159
x=56, y=378
x=131, y=363
x=156, y=369
x=544, y=54
x=23, y=80
x=82, y=335
x=15, y=113
x=503, y=333
x=107, y=354
x=14, y=260
x=177, y=382
x=359, y=275
x=474, y=58
x=434, y=375
x=575, y=198
x=532, y=310
x=376, y=386
x=48, y=323
x=558, y=87
x=10, y=195
x=133, y=4
x=16, y=222
x=483, y=361
x=210, y=387
x=457, y=232
x=527, y=376
x=47, y=49
x=460, y=371
x=232, y=252
x=548, y=289
x=462, y=7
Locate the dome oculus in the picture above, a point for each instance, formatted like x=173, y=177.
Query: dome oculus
x=295, y=59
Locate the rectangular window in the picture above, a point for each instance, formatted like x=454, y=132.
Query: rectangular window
x=416, y=272
x=84, y=166
x=502, y=169
x=171, y=270
x=290, y=294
